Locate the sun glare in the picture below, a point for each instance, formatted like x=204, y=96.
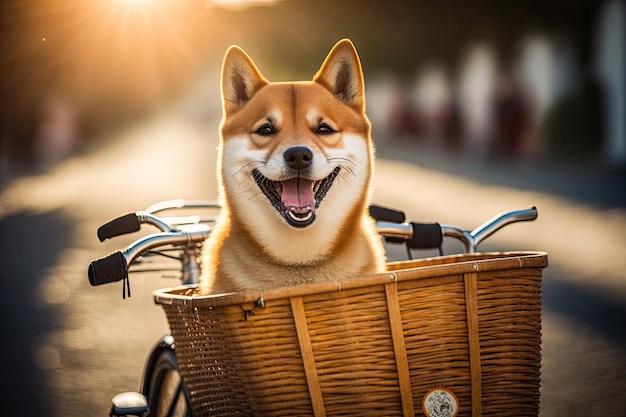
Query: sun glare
x=120, y=55
x=241, y=4
x=228, y=4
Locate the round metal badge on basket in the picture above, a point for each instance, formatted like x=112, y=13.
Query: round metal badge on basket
x=440, y=402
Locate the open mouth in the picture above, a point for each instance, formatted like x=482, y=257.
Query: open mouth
x=296, y=199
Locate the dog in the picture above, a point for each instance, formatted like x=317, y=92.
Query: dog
x=294, y=176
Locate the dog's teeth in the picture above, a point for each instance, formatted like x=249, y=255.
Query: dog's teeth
x=300, y=213
x=299, y=210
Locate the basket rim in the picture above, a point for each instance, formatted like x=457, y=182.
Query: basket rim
x=398, y=272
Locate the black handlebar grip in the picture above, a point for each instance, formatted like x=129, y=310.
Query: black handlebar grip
x=384, y=214
x=111, y=268
x=128, y=223
x=425, y=236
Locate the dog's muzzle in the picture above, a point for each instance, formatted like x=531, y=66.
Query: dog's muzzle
x=296, y=199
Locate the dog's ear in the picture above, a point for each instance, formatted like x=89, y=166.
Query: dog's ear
x=240, y=79
x=342, y=75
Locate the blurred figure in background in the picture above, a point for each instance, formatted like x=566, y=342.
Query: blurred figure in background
x=452, y=126
x=59, y=133
x=405, y=123
x=512, y=120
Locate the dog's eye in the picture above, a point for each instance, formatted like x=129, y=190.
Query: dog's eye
x=324, y=129
x=266, y=130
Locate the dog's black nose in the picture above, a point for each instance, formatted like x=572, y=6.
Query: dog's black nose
x=298, y=157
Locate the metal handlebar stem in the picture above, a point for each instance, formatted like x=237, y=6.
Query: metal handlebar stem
x=145, y=217
x=190, y=239
x=395, y=230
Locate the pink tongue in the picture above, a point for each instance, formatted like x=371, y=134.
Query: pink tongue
x=298, y=193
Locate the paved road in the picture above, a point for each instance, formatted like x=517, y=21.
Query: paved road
x=68, y=348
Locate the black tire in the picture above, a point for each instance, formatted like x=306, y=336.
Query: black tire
x=166, y=391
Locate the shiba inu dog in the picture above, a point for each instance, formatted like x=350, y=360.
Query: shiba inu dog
x=294, y=172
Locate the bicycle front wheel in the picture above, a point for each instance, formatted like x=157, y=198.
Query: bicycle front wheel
x=166, y=391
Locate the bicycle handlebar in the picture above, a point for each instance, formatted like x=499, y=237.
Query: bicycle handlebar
x=114, y=267
x=385, y=214
x=131, y=222
x=430, y=235
x=496, y=223
x=415, y=235
x=179, y=203
x=189, y=233
x=111, y=268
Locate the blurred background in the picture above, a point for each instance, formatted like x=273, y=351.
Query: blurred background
x=516, y=79
x=477, y=107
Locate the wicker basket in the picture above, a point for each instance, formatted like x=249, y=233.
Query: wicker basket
x=373, y=345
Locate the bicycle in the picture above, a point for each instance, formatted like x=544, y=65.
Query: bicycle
x=162, y=390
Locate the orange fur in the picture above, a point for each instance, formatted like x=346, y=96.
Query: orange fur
x=256, y=245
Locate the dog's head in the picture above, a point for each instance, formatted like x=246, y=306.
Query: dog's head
x=295, y=153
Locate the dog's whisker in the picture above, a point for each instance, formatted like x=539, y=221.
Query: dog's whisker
x=244, y=191
x=253, y=196
x=242, y=182
x=247, y=165
x=340, y=159
x=346, y=178
x=248, y=178
x=349, y=171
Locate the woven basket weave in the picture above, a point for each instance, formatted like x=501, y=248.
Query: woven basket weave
x=371, y=345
